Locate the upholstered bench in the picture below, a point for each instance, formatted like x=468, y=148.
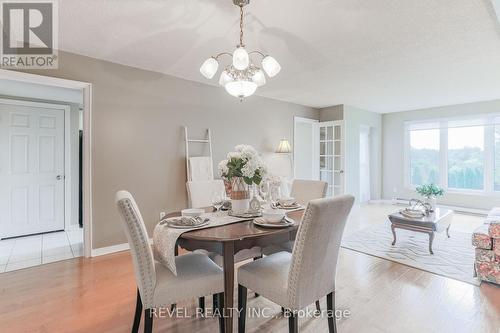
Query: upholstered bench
x=486, y=240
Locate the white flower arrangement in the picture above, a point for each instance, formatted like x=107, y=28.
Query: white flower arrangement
x=243, y=162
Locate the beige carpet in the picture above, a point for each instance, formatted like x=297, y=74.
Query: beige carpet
x=453, y=257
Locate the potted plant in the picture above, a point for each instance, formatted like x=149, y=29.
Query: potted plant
x=242, y=168
x=430, y=192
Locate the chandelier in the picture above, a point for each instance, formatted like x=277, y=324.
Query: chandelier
x=242, y=77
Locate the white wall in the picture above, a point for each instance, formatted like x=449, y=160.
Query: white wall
x=393, y=152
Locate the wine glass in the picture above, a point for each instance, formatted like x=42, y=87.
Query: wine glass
x=264, y=189
x=217, y=200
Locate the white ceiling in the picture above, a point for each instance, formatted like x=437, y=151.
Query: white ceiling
x=380, y=55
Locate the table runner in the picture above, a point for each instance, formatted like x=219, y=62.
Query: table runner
x=165, y=238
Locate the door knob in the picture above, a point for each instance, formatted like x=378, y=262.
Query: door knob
x=58, y=177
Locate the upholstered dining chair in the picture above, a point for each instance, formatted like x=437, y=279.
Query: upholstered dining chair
x=200, y=193
x=303, y=191
x=157, y=286
x=295, y=280
x=306, y=190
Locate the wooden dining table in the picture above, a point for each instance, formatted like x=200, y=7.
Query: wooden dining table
x=229, y=239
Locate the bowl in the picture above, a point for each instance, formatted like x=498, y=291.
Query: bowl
x=287, y=201
x=273, y=215
x=194, y=212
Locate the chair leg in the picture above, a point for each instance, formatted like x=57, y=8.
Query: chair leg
x=201, y=304
x=242, y=308
x=138, y=313
x=293, y=323
x=318, y=307
x=220, y=306
x=330, y=304
x=148, y=321
x=257, y=258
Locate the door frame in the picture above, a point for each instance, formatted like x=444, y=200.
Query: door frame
x=86, y=87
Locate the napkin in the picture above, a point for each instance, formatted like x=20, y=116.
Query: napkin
x=184, y=221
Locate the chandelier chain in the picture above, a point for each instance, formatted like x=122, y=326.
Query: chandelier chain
x=241, y=26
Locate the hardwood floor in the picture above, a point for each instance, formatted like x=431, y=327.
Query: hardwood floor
x=98, y=295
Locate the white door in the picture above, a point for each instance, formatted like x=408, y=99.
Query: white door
x=331, y=156
x=31, y=168
x=305, y=141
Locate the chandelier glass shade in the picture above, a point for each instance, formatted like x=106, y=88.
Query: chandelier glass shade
x=242, y=76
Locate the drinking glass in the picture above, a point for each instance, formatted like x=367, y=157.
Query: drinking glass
x=217, y=200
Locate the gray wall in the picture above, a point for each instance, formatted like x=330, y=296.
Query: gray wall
x=331, y=113
x=393, y=152
x=137, y=136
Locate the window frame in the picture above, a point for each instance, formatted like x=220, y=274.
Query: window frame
x=489, y=153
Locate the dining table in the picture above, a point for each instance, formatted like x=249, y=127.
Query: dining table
x=229, y=239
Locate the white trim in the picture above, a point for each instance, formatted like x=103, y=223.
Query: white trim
x=87, y=157
x=67, y=168
x=101, y=251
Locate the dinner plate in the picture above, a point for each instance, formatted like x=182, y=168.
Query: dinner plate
x=289, y=207
x=245, y=215
x=262, y=223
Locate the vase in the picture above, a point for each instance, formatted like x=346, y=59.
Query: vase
x=432, y=202
x=240, y=196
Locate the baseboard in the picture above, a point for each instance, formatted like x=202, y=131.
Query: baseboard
x=101, y=251
x=457, y=209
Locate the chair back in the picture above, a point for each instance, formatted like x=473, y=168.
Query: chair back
x=137, y=236
x=306, y=190
x=200, y=193
x=316, y=249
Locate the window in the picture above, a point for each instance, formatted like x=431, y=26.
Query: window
x=424, y=156
x=457, y=154
x=466, y=157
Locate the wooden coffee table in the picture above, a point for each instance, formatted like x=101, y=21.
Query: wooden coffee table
x=437, y=221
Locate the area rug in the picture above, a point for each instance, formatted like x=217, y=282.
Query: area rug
x=453, y=257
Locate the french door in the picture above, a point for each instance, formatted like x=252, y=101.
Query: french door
x=31, y=168
x=331, y=156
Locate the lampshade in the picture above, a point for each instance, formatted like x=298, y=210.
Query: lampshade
x=209, y=68
x=224, y=78
x=271, y=66
x=259, y=78
x=284, y=147
x=241, y=60
x=241, y=88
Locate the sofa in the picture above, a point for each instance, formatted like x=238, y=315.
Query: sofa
x=486, y=240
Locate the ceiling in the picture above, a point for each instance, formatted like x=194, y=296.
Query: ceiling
x=380, y=55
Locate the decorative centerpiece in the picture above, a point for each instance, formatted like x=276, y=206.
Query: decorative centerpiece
x=430, y=192
x=242, y=168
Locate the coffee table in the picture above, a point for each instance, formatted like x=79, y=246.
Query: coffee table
x=437, y=221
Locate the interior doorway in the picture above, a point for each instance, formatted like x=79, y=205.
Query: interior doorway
x=44, y=165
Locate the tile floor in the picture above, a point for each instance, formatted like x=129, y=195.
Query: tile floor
x=22, y=252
